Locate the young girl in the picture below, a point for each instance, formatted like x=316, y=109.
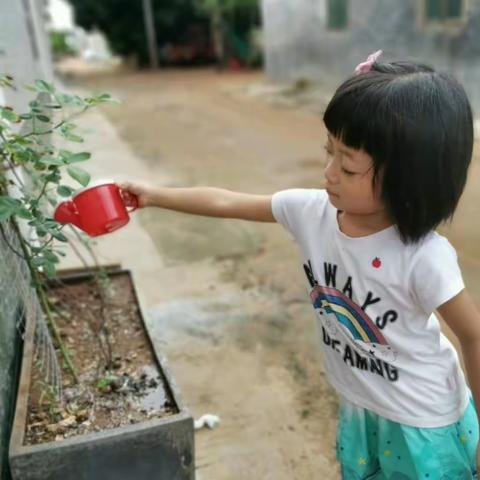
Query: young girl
x=400, y=141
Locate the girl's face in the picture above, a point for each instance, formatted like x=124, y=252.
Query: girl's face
x=348, y=177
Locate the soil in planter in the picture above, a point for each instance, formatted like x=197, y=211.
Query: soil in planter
x=130, y=390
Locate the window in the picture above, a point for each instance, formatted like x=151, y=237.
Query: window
x=337, y=15
x=442, y=10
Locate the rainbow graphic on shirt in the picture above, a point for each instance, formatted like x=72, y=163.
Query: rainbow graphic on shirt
x=362, y=331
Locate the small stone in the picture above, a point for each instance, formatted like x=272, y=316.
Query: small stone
x=69, y=421
x=117, y=364
x=118, y=383
x=35, y=425
x=55, y=428
x=152, y=383
x=81, y=416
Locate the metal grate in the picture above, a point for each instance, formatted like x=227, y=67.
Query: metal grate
x=19, y=301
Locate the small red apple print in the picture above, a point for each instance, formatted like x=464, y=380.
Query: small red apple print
x=377, y=263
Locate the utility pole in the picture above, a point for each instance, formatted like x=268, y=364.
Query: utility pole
x=151, y=34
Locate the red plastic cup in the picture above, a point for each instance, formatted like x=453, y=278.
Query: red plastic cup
x=97, y=209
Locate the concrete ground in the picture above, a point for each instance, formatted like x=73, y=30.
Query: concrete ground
x=226, y=299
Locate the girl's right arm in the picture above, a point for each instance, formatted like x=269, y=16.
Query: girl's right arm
x=207, y=201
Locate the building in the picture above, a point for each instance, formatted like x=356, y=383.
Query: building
x=325, y=39
x=24, y=47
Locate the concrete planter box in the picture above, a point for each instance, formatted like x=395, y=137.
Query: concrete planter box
x=154, y=449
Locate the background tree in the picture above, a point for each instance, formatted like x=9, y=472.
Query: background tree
x=122, y=23
x=230, y=24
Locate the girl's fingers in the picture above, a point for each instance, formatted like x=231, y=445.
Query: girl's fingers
x=129, y=199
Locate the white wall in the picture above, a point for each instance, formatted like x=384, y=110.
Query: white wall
x=24, y=42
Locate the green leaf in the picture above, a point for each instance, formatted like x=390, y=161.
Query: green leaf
x=77, y=157
x=22, y=212
x=38, y=215
x=106, y=97
x=8, y=207
x=64, y=98
x=41, y=231
x=51, y=256
x=74, y=138
x=43, y=118
x=52, y=161
x=44, y=86
x=102, y=383
x=9, y=115
x=60, y=236
x=37, y=261
x=80, y=175
x=50, y=222
x=5, y=80
x=5, y=214
x=49, y=269
x=65, y=191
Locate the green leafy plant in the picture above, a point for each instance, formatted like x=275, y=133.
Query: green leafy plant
x=48, y=398
x=59, y=44
x=26, y=144
x=106, y=381
x=231, y=24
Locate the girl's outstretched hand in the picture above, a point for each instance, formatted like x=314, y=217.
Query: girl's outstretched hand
x=136, y=194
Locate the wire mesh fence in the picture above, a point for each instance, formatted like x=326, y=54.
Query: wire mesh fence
x=19, y=302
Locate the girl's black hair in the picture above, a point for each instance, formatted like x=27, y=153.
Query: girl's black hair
x=417, y=126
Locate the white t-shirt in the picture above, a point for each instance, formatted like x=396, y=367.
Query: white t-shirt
x=374, y=299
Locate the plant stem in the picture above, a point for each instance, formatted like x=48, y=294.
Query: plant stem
x=11, y=165
x=58, y=125
x=46, y=306
x=56, y=333
x=97, y=279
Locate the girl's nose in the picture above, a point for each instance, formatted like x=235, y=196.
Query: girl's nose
x=331, y=171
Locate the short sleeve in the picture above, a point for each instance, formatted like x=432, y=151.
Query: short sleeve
x=436, y=276
x=294, y=208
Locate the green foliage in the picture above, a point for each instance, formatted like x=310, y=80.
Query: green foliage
x=122, y=21
x=211, y=6
x=50, y=112
x=48, y=399
x=59, y=45
x=106, y=381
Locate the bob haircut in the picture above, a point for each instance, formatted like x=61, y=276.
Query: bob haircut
x=417, y=126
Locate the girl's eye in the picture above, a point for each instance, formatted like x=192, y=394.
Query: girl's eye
x=347, y=172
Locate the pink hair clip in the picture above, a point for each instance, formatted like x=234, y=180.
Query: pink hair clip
x=366, y=66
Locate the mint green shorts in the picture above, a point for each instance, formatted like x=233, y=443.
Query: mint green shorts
x=374, y=448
